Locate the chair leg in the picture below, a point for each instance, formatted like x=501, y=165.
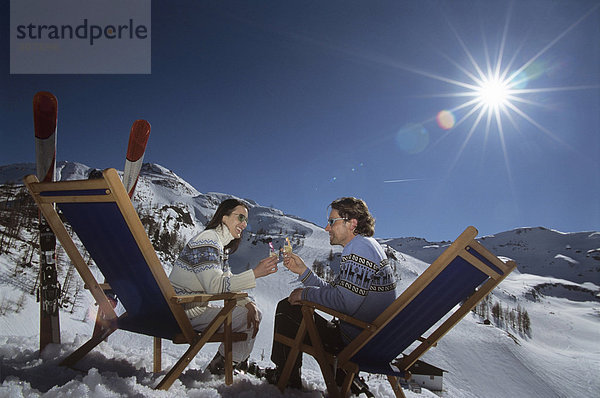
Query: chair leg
x=179, y=366
x=228, y=351
x=157, y=355
x=191, y=352
x=100, y=318
x=98, y=324
x=292, y=355
x=315, y=339
x=345, y=388
x=396, y=387
x=97, y=338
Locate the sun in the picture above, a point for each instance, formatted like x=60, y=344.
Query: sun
x=495, y=88
x=493, y=92
x=497, y=92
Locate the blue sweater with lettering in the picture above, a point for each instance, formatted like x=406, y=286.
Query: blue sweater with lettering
x=364, y=287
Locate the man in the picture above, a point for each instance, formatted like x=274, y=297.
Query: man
x=364, y=287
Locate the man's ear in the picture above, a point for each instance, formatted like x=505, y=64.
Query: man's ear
x=353, y=224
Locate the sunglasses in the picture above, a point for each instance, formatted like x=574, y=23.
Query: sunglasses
x=242, y=218
x=332, y=221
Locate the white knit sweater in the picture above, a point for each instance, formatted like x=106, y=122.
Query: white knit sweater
x=202, y=267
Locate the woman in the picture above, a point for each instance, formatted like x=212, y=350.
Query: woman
x=202, y=267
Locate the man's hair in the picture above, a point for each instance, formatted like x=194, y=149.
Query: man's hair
x=350, y=208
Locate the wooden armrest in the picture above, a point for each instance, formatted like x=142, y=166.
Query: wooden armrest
x=103, y=286
x=235, y=336
x=193, y=298
x=424, y=339
x=337, y=314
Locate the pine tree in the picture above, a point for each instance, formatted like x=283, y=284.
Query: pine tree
x=497, y=312
x=484, y=308
x=511, y=319
x=76, y=294
x=526, y=324
x=318, y=269
x=30, y=249
x=4, y=305
x=20, y=302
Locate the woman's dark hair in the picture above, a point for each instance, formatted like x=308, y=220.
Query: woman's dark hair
x=225, y=209
x=350, y=208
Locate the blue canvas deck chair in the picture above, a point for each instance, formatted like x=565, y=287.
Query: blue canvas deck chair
x=440, y=297
x=101, y=214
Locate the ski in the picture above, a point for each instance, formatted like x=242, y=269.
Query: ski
x=45, y=110
x=138, y=137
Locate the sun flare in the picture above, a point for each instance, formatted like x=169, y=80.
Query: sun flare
x=497, y=92
x=493, y=92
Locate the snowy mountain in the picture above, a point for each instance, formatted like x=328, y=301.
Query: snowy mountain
x=557, y=285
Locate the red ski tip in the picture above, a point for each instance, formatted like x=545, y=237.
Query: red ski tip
x=138, y=137
x=45, y=108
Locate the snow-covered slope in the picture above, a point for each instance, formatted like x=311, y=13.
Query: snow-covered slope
x=556, y=284
x=538, y=251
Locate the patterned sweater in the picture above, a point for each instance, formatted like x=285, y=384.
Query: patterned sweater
x=364, y=287
x=202, y=267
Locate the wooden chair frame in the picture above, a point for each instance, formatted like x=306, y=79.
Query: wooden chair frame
x=466, y=248
x=109, y=189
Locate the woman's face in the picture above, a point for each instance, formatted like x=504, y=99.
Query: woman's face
x=237, y=221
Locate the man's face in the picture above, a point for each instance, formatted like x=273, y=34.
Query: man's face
x=341, y=231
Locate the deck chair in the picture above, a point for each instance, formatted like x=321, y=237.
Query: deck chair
x=440, y=297
x=100, y=212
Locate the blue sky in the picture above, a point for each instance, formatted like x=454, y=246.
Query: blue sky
x=293, y=104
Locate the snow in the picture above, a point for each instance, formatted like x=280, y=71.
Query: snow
x=566, y=258
x=557, y=283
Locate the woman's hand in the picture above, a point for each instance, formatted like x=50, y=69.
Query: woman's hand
x=253, y=318
x=294, y=263
x=266, y=266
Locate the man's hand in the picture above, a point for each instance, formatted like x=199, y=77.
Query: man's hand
x=266, y=266
x=295, y=296
x=253, y=318
x=294, y=263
